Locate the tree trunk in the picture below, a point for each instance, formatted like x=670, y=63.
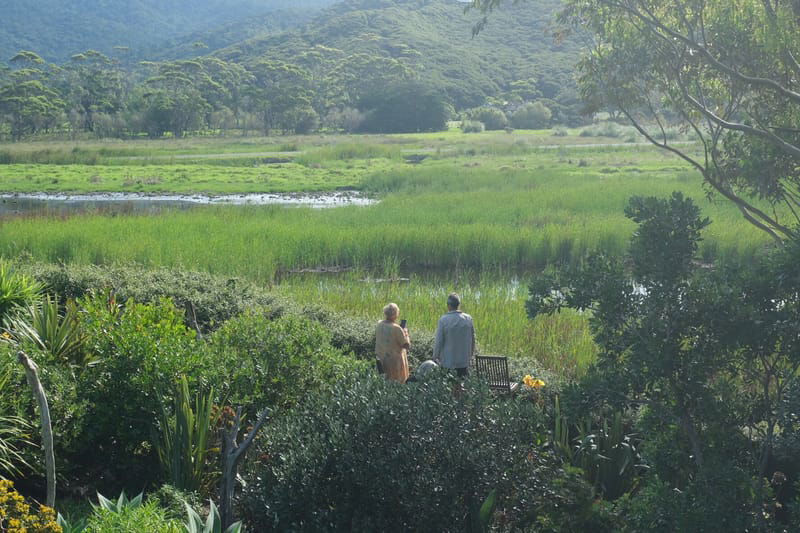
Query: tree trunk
x=32, y=374
x=231, y=454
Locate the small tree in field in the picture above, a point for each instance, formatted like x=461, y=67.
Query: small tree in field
x=531, y=116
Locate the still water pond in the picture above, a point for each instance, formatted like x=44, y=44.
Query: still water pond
x=120, y=203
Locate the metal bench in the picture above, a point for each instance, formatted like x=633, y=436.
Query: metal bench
x=494, y=369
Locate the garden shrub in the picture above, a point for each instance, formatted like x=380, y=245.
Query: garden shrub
x=147, y=517
x=173, y=501
x=142, y=350
x=18, y=516
x=17, y=290
x=712, y=356
x=373, y=455
x=214, y=298
x=272, y=363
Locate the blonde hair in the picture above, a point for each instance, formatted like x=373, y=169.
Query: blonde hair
x=391, y=311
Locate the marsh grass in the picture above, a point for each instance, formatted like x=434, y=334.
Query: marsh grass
x=561, y=343
x=497, y=205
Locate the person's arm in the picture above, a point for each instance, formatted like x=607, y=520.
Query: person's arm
x=472, y=327
x=439, y=342
x=401, y=337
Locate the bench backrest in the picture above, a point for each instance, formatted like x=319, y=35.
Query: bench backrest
x=494, y=369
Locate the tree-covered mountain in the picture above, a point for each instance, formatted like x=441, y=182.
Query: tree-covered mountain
x=360, y=65
x=57, y=29
x=516, y=51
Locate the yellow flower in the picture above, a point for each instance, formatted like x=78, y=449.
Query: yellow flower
x=532, y=382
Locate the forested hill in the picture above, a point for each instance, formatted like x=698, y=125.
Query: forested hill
x=516, y=50
x=57, y=29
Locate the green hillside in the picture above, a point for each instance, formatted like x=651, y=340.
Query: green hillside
x=57, y=29
x=434, y=38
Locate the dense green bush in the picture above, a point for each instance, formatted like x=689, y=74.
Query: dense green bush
x=17, y=290
x=211, y=299
x=532, y=116
x=407, y=108
x=699, y=352
x=142, y=349
x=491, y=117
x=372, y=455
x=272, y=363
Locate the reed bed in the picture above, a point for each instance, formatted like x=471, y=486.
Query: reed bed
x=465, y=219
x=561, y=343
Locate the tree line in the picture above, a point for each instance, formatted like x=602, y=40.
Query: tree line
x=323, y=88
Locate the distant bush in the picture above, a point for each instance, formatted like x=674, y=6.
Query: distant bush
x=347, y=119
x=608, y=129
x=408, y=108
x=373, y=455
x=471, y=126
x=531, y=116
x=560, y=132
x=492, y=118
x=302, y=120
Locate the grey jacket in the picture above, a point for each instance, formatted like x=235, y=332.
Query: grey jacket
x=455, y=340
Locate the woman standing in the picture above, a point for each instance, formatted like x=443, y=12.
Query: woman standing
x=391, y=345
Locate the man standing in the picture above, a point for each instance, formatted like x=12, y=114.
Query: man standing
x=455, y=338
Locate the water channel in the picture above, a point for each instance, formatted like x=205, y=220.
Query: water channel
x=122, y=203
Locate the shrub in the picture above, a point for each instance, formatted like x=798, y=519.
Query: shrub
x=147, y=517
x=18, y=516
x=372, y=455
x=472, y=126
x=407, y=108
x=142, y=350
x=272, y=363
x=492, y=118
x=531, y=116
x=214, y=299
x=17, y=290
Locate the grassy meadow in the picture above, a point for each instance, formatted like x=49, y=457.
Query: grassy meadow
x=489, y=208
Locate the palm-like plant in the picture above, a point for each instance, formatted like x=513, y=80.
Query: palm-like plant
x=55, y=333
x=17, y=291
x=14, y=431
x=183, y=442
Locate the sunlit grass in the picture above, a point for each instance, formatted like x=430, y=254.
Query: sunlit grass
x=561, y=343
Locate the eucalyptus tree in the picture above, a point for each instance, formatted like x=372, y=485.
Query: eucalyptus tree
x=174, y=101
x=727, y=70
x=28, y=102
x=279, y=89
x=94, y=85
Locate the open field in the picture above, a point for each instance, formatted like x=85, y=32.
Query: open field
x=498, y=206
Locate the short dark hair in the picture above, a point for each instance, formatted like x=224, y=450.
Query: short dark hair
x=453, y=300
